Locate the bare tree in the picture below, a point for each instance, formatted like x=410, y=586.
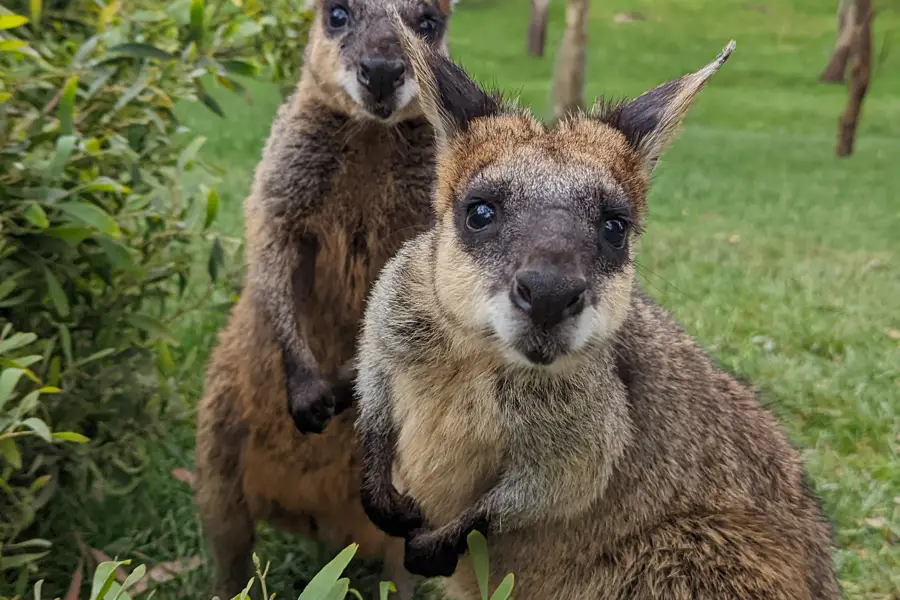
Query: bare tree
x=537, y=27
x=860, y=74
x=568, y=79
x=837, y=64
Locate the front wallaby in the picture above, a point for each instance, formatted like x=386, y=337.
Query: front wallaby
x=345, y=178
x=515, y=379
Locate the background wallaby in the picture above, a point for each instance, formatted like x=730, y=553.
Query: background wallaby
x=517, y=380
x=345, y=178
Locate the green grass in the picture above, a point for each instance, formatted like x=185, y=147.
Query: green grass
x=780, y=258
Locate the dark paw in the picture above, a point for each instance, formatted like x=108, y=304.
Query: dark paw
x=396, y=514
x=311, y=403
x=431, y=555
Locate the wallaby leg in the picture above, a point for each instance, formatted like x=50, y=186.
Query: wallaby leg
x=227, y=522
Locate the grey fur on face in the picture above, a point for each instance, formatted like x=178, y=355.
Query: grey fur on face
x=374, y=71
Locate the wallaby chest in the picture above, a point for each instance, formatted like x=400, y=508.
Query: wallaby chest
x=378, y=196
x=452, y=439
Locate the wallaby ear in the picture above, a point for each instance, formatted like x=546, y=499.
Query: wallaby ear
x=652, y=120
x=449, y=98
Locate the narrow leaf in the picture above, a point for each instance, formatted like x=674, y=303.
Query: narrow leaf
x=56, y=293
x=36, y=7
x=339, y=591
x=478, y=551
x=323, y=582
x=384, y=589
x=36, y=216
x=92, y=215
x=39, y=427
x=197, y=9
x=16, y=341
x=67, y=106
x=216, y=259
x=133, y=577
x=240, y=67
x=17, y=561
x=142, y=51
x=70, y=436
x=64, y=146
x=504, y=590
x=188, y=155
x=212, y=208
x=8, y=380
x=12, y=21
x=10, y=452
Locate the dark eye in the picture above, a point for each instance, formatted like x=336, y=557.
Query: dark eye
x=614, y=231
x=338, y=17
x=427, y=27
x=479, y=216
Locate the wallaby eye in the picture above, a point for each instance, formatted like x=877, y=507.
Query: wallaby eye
x=338, y=18
x=479, y=216
x=614, y=231
x=427, y=27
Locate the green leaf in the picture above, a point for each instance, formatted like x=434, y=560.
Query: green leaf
x=11, y=45
x=8, y=380
x=504, y=590
x=188, y=155
x=324, y=581
x=92, y=215
x=39, y=483
x=70, y=436
x=166, y=363
x=67, y=105
x=384, y=589
x=240, y=67
x=64, y=146
x=65, y=340
x=12, y=21
x=197, y=10
x=153, y=327
x=104, y=578
x=69, y=233
x=16, y=341
x=105, y=184
x=56, y=293
x=4, y=96
x=10, y=452
x=209, y=101
x=339, y=591
x=142, y=51
x=212, y=207
x=118, y=255
x=39, y=427
x=17, y=561
x=36, y=6
x=132, y=579
x=36, y=215
x=216, y=259
x=478, y=551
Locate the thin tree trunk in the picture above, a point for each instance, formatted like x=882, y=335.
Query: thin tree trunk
x=837, y=64
x=568, y=81
x=860, y=74
x=537, y=27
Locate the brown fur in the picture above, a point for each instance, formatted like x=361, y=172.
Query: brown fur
x=626, y=466
x=336, y=193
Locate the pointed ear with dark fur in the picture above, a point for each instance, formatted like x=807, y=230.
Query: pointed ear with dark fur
x=652, y=120
x=449, y=98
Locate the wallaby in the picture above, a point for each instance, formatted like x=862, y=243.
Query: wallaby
x=345, y=178
x=514, y=379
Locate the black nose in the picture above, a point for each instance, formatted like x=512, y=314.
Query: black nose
x=381, y=76
x=548, y=297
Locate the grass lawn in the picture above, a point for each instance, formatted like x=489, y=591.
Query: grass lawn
x=782, y=259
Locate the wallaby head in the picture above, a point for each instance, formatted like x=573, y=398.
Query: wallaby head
x=534, y=252
x=355, y=59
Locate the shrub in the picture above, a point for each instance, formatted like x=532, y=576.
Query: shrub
x=104, y=207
